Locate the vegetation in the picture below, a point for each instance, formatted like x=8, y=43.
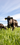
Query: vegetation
x=9, y=37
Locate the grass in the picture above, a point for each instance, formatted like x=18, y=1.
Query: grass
x=9, y=37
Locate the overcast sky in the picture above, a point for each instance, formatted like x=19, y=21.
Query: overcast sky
x=9, y=8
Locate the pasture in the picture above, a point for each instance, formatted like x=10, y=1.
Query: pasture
x=9, y=37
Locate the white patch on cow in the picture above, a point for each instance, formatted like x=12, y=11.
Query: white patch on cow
x=10, y=20
x=14, y=21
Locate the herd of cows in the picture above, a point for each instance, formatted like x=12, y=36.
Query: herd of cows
x=11, y=22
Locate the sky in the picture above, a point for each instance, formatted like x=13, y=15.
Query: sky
x=9, y=8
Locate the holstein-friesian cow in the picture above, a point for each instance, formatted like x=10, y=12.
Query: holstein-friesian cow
x=12, y=22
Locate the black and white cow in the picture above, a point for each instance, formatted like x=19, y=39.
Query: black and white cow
x=12, y=22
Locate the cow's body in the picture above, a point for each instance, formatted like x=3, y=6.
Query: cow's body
x=13, y=23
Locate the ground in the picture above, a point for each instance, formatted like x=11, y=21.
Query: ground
x=9, y=37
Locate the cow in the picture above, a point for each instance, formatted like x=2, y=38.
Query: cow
x=12, y=22
x=2, y=26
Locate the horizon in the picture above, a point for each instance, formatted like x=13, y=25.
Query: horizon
x=9, y=8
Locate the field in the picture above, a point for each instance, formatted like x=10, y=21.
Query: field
x=9, y=37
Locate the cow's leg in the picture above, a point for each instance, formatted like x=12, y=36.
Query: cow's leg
x=12, y=28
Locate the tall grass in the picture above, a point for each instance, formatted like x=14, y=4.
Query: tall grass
x=9, y=37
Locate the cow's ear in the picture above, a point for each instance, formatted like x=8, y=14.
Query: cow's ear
x=5, y=18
